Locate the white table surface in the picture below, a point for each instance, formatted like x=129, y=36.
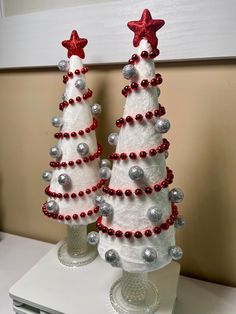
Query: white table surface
x=19, y=254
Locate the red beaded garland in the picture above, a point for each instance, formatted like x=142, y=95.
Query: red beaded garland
x=70, y=75
x=157, y=80
x=144, y=55
x=146, y=190
x=78, y=99
x=67, y=135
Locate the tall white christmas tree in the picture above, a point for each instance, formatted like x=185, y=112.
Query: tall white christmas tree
x=138, y=213
x=74, y=179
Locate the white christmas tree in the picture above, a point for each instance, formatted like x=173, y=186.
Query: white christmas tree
x=74, y=179
x=139, y=215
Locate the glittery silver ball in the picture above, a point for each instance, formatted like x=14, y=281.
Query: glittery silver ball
x=158, y=92
x=113, y=139
x=104, y=173
x=149, y=255
x=64, y=179
x=112, y=257
x=176, y=195
x=96, y=109
x=52, y=207
x=106, y=209
x=175, y=252
x=98, y=200
x=47, y=176
x=179, y=222
x=55, y=152
x=83, y=149
x=56, y=122
x=166, y=154
x=80, y=84
x=64, y=97
x=136, y=173
x=105, y=163
x=162, y=125
x=129, y=71
x=93, y=237
x=154, y=214
x=63, y=65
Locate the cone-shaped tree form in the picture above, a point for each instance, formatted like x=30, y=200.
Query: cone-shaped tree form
x=74, y=179
x=137, y=229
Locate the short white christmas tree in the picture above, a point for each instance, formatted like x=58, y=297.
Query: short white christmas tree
x=74, y=179
x=138, y=212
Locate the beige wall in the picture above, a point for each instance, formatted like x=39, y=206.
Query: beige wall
x=200, y=102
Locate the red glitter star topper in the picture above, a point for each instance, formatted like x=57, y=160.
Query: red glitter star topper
x=75, y=45
x=146, y=27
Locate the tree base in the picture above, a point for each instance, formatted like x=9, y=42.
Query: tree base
x=76, y=260
x=149, y=305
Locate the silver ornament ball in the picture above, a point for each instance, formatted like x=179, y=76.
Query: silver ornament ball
x=166, y=154
x=113, y=139
x=63, y=65
x=52, y=207
x=176, y=195
x=149, y=255
x=47, y=176
x=56, y=122
x=93, y=237
x=80, y=84
x=64, y=97
x=180, y=222
x=98, y=200
x=104, y=173
x=129, y=71
x=105, y=163
x=136, y=173
x=55, y=152
x=64, y=179
x=154, y=214
x=96, y=109
x=175, y=253
x=83, y=149
x=106, y=209
x=112, y=257
x=162, y=125
x=158, y=92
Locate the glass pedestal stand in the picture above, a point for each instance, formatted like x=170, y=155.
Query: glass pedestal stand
x=134, y=294
x=75, y=251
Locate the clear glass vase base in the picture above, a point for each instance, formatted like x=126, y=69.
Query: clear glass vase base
x=76, y=260
x=150, y=305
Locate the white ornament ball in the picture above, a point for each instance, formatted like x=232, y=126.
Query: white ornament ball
x=96, y=109
x=106, y=209
x=63, y=65
x=112, y=257
x=56, y=122
x=104, y=173
x=105, y=163
x=83, y=149
x=98, y=200
x=64, y=179
x=175, y=252
x=180, y=222
x=93, y=237
x=52, y=207
x=154, y=214
x=55, y=152
x=113, y=139
x=80, y=84
x=47, y=176
x=176, y=195
x=162, y=125
x=136, y=173
x=149, y=255
x=129, y=71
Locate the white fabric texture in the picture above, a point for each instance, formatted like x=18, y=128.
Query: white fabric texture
x=130, y=213
x=76, y=117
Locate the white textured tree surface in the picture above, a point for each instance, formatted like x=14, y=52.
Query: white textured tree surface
x=76, y=117
x=130, y=213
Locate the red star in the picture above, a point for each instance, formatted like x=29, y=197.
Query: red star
x=75, y=45
x=146, y=27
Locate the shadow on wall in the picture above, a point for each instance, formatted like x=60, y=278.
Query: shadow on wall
x=1, y=209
